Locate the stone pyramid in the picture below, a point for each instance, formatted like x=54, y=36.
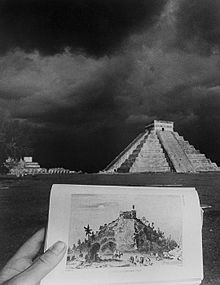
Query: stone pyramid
x=160, y=149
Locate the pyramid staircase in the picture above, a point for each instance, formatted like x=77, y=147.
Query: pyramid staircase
x=151, y=157
x=160, y=149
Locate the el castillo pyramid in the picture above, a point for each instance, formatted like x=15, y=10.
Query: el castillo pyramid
x=160, y=149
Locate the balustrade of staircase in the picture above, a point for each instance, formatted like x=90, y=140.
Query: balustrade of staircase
x=124, y=155
x=127, y=164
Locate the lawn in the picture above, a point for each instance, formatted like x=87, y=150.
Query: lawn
x=24, y=207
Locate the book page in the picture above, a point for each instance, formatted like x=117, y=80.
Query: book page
x=126, y=235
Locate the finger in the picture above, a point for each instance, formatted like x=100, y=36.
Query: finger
x=44, y=264
x=31, y=247
x=23, y=258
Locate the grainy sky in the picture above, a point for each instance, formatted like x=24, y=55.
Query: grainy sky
x=87, y=75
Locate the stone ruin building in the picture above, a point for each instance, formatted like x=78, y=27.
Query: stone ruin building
x=128, y=214
x=160, y=149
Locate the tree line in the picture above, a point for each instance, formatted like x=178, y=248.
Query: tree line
x=16, y=140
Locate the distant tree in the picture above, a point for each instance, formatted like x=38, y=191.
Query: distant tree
x=3, y=154
x=88, y=231
x=16, y=139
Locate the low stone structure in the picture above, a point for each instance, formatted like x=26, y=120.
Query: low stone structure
x=160, y=149
x=59, y=170
x=32, y=167
x=25, y=166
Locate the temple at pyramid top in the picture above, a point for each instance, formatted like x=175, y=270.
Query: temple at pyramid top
x=160, y=149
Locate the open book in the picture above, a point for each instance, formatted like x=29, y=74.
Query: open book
x=126, y=235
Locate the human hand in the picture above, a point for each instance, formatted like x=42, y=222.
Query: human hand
x=22, y=270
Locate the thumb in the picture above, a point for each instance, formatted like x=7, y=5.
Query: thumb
x=44, y=264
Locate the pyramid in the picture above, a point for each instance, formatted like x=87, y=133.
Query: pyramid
x=160, y=149
x=127, y=235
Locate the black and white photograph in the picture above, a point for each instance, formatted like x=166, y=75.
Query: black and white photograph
x=112, y=93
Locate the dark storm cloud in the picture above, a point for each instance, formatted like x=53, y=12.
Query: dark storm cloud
x=85, y=108
x=93, y=26
x=198, y=25
x=68, y=89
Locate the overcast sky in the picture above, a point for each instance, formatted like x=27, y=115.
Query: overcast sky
x=87, y=75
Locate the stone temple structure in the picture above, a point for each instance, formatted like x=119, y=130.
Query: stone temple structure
x=160, y=149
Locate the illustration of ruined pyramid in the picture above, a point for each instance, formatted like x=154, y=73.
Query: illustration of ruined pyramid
x=160, y=149
x=124, y=242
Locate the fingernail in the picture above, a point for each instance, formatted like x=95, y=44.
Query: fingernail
x=58, y=247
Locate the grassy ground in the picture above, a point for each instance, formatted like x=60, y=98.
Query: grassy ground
x=24, y=208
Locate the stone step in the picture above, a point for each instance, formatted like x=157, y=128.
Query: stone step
x=195, y=163
x=151, y=162
x=151, y=158
x=187, y=147
x=151, y=144
x=197, y=155
x=191, y=151
x=204, y=169
x=200, y=159
x=152, y=169
x=153, y=151
x=163, y=166
x=151, y=155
